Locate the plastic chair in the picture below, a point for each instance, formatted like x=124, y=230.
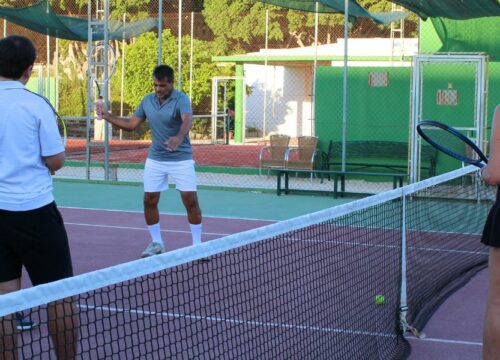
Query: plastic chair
x=273, y=155
x=304, y=155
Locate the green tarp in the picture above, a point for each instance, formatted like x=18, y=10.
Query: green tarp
x=474, y=35
x=41, y=18
x=337, y=6
x=452, y=9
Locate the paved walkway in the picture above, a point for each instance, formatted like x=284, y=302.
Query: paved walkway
x=231, y=180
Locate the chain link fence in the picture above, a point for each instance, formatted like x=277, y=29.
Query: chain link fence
x=253, y=71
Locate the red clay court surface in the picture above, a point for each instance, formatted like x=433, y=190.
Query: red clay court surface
x=136, y=152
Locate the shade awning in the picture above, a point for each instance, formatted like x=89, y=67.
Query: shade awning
x=41, y=18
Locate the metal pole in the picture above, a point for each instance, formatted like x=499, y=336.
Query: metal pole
x=225, y=115
x=191, y=58
x=160, y=29
x=89, y=91
x=47, y=93
x=179, y=44
x=105, y=88
x=215, y=96
x=403, y=295
x=122, y=87
x=315, y=65
x=264, y=105
x=344, y=91
x=415, y=109
x=57, y=75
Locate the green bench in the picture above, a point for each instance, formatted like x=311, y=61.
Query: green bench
x=397, y=179
x=389, y=155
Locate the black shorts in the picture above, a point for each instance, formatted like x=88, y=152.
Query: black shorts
x=36, y=239
x=491, y=231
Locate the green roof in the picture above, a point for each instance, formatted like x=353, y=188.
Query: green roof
x=294, y=58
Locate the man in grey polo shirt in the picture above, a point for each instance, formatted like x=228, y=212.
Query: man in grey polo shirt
x=170, y=118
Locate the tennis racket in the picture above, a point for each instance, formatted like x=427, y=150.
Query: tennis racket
x=62, y=128
x=60, y=122
x=103, y=67
x=451, y=142
x=103, y=64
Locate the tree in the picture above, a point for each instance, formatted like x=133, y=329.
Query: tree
x=236, y=23
x=141, y=58
x=73, y=77
x=239, y=25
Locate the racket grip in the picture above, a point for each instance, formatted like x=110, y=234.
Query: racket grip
x=100, y=101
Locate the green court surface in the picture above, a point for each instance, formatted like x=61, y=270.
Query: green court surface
x=214, y=203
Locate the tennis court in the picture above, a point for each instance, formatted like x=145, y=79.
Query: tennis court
x=278, y=284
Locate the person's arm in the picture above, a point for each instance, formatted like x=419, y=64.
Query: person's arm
x=491, y=173
x=54, y=162
x=174, y=141
x=125, y=123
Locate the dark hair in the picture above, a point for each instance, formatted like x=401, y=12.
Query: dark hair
x=17, y=53
x=164, y=72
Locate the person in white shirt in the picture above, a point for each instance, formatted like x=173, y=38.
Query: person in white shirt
x=32, y=232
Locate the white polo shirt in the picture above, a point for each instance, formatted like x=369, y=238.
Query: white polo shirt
x=28, y=131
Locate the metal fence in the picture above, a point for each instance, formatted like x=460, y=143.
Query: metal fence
x=253, y=70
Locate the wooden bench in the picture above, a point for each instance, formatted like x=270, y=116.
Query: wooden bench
x=397, y=179
x=391, y=155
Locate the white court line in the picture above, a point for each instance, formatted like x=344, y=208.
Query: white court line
x=351, y=243
x=446, y=341
x=384, y=246
x=139, y=228
x=162, y=213
x=237, y=321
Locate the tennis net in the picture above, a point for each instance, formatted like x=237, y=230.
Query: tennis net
x=343, y=283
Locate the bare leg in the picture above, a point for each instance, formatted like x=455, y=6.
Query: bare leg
x=151, y=213
x=491, y=337
x=8, y=335
x=63, y=328
x=190, y=201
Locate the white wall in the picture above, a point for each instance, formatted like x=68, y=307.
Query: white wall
x=288, y=99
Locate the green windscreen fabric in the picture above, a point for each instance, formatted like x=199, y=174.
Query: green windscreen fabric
x=475, y=35
x=41, y=18
x=337, y=6
x=453, y=9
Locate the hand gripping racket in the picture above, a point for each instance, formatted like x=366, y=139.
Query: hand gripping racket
x=452, y=142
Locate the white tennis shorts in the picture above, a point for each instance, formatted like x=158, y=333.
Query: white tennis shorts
x=156, y=175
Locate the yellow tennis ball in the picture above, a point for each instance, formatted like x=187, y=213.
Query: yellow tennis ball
x=379, y=299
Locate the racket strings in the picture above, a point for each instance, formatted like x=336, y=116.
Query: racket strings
x=452, y=142
x=62, y=129
x=101, y=70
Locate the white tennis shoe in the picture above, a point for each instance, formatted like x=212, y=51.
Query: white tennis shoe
x=153, y=249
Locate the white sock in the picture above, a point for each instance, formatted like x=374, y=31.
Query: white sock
x=154, y=231
x=196, y=233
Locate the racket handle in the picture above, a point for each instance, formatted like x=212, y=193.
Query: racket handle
x=100, y=101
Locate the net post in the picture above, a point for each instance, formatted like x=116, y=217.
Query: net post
x=403, y=300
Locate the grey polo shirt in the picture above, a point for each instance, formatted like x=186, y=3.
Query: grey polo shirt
x=165, y=121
